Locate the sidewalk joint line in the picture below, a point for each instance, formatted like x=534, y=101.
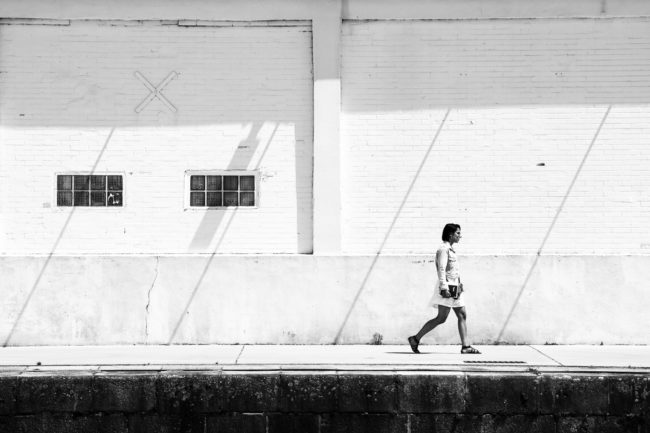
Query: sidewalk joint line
x=549, y=357
x=240, y=352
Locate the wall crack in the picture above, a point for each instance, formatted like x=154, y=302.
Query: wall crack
x=146, y=308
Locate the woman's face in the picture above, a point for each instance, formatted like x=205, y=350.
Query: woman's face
x=455, y=238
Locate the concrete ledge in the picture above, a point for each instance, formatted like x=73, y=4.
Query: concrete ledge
x=304, y=299
x=212, y=401
x=300, y=9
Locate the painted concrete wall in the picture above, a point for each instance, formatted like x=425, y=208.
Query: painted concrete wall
x=318, y=299
x=327, y=118
x=308, y=9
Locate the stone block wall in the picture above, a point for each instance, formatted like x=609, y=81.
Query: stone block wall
x=218, y=401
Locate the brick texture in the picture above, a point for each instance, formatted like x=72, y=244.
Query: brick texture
x=518, y=93
x=69, y=93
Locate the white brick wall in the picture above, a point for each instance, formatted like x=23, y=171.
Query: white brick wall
x=244, y=99
x=519, y=93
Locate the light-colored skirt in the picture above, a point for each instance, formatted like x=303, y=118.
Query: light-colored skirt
x=437, y=299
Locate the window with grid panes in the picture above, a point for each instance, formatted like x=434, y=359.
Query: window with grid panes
x=222, y=190
x=89, y=190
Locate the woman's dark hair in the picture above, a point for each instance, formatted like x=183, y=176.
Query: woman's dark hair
x=449, y=230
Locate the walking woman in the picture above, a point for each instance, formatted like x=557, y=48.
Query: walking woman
x=449, y=291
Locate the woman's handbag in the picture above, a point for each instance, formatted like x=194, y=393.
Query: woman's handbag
x=454, y=290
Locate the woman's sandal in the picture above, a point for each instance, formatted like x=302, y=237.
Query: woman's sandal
x=414, y=342
x=469, y=350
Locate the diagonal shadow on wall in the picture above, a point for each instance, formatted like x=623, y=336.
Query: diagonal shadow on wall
x=390, y=229
x=552, y=225
x=214, y=217
x=52, y=250
x=211, y=223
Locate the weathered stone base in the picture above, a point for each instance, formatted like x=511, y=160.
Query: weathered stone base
x=323, y=402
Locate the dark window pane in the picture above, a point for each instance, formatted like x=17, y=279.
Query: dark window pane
x=247, y=183
x=114, y=183
x=64, y=183
x=214, y=199
x=81, y=183
x=114, y=198
x=98, y=182
x=197, y=199
x=214, y=183
x=230, y=183
x=197, y=183
x=246, y=199
x=64, y=198
x=230, y=199
x=81, y=197
x=98, y=198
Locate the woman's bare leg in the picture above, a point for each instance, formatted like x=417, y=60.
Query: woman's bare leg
x=461, y=313
x=443, y=312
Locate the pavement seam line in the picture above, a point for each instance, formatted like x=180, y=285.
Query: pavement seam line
x=549, y=357
x=240, y=352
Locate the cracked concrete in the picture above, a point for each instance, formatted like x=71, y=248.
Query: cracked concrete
x=102, y=301
x=146, y=317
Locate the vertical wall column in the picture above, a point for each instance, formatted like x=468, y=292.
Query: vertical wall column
x=326, y=30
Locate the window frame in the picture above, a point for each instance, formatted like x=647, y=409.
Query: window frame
x=88, y=173
x=187, y=188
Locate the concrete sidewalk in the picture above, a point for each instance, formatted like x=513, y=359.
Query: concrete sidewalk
x=324, y=389
x=546, y=358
